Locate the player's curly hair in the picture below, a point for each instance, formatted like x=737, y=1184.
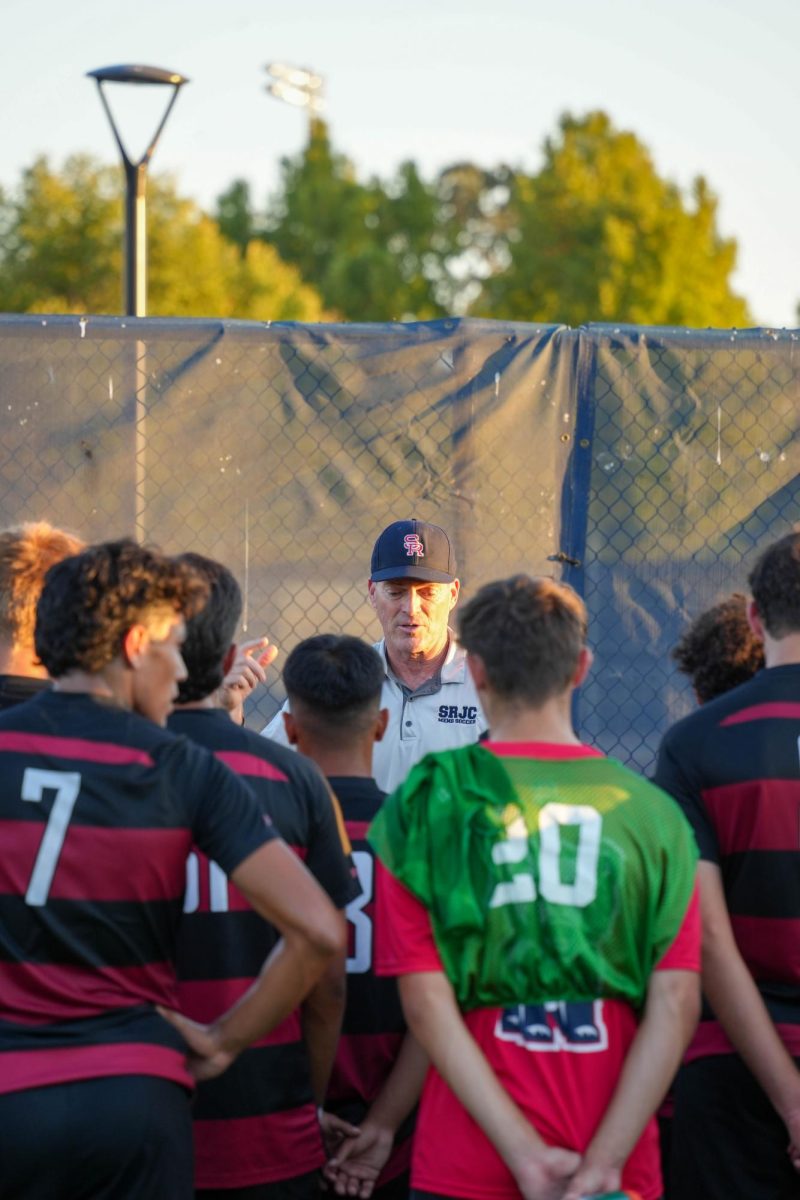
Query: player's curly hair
x=91, y=600
x=775, y=584
x=26, y=555
x=210, y=630
x=719, y=650
x=528, y=633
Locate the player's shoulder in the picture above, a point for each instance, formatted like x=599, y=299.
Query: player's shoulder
x=691, y=733
x=287, y=766
x=360, y=798
x=19, y=715
x=170, y=750
x=83, y=717
x=649, y=811
x=639, y=786
x=244, y=750
x=450, y=775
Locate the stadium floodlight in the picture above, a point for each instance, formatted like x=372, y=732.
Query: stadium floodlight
x=298, y=76
x=297, y=86
x=136, y=175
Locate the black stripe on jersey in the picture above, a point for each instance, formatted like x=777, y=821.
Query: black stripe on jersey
x=264, y=1079
x=110, y=797
x=140, y=1023
x=782, y=1001
x=762, y=883
x=228, y=945
x=83, y=933
x=373, y=1006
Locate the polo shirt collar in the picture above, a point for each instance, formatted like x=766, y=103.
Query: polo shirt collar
x=452, y=670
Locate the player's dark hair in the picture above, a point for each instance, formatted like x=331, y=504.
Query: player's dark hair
x=719, y=650
x=210, y=630
x=775, y=584
x=26, y=555
x=334, y=685
x=91, y=600
x=528, y=634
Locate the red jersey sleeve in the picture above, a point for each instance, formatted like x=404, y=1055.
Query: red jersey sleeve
x=684, y=953
x=404, y=938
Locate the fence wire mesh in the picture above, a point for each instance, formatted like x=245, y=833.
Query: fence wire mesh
x=644, y=466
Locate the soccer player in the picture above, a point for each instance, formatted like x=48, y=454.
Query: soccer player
x=427, y=690
x=719, y=649
x=256, y=1128
x=26, y=555
x=538, y=906
x=733, y=767
x=99, y=808
x=334, y=686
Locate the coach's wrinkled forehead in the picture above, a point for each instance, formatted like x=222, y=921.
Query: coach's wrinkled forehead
x=413, y=550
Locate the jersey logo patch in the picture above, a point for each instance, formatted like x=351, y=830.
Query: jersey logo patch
x=451, y=714
x=571, y=1025
x=413, y=545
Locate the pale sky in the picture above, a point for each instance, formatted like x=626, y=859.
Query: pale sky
x=710, y=86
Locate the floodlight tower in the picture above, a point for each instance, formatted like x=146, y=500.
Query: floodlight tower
x=297, y=86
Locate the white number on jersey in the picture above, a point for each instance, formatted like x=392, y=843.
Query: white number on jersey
x=66, y=785
x=217, y=886
x=515, y=849
x=361, y=959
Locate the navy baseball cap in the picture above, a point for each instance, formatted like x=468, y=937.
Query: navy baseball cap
x=413, y=550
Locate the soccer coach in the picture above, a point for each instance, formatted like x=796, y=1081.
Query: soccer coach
x=432, y=701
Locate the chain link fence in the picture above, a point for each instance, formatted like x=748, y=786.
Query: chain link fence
x=644, y=466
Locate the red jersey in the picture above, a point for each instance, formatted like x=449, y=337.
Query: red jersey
x=559, y=1061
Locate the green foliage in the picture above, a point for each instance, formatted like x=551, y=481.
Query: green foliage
x=62, y=239
x=363, y=245
x=474, y=227
x=235, y=215
x=61, y=250
x=598, y=235
x=595, y=235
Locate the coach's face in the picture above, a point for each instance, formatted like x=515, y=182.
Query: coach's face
x=413, y=615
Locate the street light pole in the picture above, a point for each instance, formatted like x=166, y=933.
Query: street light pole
x=136, y=176
x=135, y=292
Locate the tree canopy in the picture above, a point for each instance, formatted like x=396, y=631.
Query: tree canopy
x=363, y=244
x=598, y=235
x=61, y=250
x=595, y=234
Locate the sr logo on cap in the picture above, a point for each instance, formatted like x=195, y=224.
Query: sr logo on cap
x=413, y=550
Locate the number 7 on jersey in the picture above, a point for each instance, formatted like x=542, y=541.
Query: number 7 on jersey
x=66, y=785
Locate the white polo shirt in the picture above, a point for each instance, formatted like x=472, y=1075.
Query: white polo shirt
x=443, y=713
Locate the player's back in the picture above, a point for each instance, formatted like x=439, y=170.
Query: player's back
x=258, y=1122
x=565, y=860
x=373, y=1027
x=547, y=882
x=98, y=809
x=733, y=766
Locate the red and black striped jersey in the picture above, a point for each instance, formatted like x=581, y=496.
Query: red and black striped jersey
x=257, y=1123
x=98, y=811
x=734, y=767
x=373, y=1026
